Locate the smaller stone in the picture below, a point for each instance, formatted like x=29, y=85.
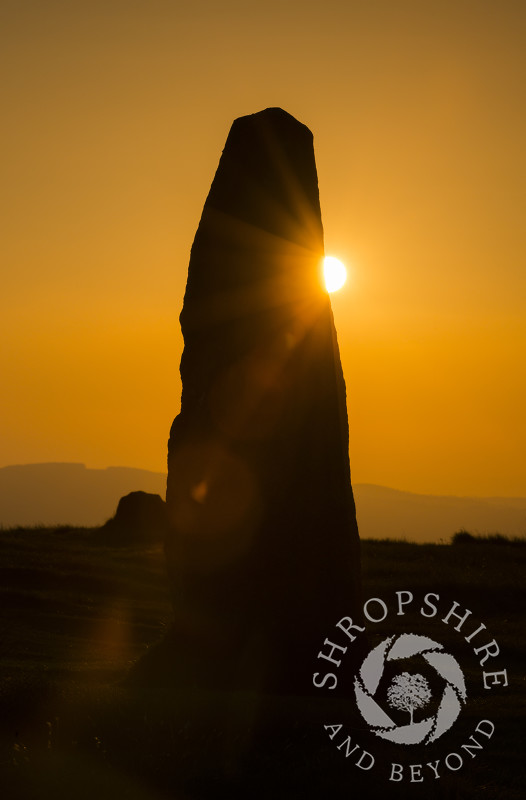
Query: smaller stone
x=140, y=518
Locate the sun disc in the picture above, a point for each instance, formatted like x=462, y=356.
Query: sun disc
x=334, y=273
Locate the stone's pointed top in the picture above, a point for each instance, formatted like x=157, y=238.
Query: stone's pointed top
x=275, y=114
x=274, y=111
x=266, y=179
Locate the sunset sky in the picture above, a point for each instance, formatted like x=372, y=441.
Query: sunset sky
x=114, y=118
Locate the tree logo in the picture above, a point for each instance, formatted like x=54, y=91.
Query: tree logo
x=409, y=692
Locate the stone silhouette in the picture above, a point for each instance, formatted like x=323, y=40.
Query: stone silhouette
x=263, y=548
x=140, y=518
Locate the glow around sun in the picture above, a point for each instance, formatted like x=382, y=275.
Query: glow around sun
x=334, y=273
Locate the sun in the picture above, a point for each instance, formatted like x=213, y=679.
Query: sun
x=334, y=273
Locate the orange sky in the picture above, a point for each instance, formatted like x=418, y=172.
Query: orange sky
x=114, y=117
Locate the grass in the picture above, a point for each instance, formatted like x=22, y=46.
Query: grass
x=76, y=614
x=464, y=537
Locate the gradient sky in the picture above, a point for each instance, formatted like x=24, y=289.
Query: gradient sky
x=114, y=118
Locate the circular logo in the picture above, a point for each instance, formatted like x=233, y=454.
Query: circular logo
x=409, y=692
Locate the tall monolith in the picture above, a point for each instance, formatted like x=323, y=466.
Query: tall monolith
x=263, y=548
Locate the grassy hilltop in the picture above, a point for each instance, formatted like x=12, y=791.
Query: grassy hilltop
x=76, y=614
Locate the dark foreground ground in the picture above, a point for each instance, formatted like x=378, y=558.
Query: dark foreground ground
x=75, y=615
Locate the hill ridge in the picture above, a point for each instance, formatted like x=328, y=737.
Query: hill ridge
x=70, y=493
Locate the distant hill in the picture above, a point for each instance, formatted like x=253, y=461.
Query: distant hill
x=71, y=494
x=391, y=514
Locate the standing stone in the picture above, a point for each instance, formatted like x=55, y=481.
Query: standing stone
x=263, y=548
x=140, y=518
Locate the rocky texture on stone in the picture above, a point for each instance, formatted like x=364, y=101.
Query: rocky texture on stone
x=140, y=518
x=263, y=548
